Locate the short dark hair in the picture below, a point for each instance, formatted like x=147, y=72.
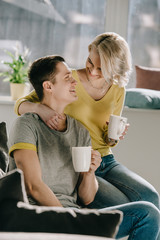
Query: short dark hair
x=43, y=69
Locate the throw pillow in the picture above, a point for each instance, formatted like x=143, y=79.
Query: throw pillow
x=12, y=186
x=142, y=98
x=28, y=218
x=22, y=217
x=147, y=77
x=3, y=147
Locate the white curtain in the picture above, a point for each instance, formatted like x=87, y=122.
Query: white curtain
x=144, y=34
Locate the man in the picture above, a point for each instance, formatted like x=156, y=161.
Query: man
x=44, y=154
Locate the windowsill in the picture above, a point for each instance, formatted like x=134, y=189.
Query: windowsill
x=6, y=100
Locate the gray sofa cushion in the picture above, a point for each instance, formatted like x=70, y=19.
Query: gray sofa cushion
x=142, y=98
x=18, y=216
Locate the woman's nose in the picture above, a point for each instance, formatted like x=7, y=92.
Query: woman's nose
x=94, y=71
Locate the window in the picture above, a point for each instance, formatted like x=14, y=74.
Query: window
x=144, y=33
x=63, y=27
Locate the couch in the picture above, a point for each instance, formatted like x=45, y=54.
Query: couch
x=47, y=236
x=20, y=220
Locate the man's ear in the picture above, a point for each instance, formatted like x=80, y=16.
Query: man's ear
x=47, y=85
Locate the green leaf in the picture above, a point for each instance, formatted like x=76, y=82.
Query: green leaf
x=10, y=54
x=18, y=69
x=6, y=74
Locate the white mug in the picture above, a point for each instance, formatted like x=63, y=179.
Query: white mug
x=116, y=126
x=81, y=157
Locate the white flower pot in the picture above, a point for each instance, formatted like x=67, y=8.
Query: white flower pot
x=19, y=90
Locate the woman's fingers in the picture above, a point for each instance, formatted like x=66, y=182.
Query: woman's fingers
x=53, y=122
x=125, y=131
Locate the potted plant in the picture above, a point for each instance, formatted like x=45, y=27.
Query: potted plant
x=17, y=73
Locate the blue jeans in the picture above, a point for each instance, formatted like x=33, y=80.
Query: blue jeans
x=120, y=188
x=119, y=185
x=141, y=221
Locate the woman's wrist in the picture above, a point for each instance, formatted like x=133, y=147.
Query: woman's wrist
x=37, y=108
x=111, y=142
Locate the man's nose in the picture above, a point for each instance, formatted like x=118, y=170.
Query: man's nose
x=73, y=81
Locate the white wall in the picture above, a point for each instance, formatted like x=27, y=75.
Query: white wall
x=7, y=111
x=140, y=150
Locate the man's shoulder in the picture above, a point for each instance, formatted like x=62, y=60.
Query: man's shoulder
x=25, y=119
x=28, y=117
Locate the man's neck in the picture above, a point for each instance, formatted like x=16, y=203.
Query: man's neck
x=62, y=123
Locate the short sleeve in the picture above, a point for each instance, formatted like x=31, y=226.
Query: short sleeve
x=22, y=135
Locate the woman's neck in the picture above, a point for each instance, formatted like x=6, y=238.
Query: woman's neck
x=93, y=92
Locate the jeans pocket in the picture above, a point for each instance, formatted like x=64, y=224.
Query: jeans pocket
x=107, y=163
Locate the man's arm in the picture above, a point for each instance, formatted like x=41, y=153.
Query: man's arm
x=28, y=162
x=30, y=98
x=31, y=103
x=88, y=185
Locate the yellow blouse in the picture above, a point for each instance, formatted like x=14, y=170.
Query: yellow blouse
x=91, y=113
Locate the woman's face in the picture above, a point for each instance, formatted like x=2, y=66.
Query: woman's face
x=93, y=65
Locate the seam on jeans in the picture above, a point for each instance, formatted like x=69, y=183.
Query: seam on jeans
x=132, y=215
x=138, y=218
x=126, y=187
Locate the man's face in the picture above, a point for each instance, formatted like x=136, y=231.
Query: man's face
x=64, y=86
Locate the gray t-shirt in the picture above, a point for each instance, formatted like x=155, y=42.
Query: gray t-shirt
x=54, y=152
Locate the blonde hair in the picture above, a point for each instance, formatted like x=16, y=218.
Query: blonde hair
x=115, y=57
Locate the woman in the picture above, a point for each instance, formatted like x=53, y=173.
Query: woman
x=101, y=92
